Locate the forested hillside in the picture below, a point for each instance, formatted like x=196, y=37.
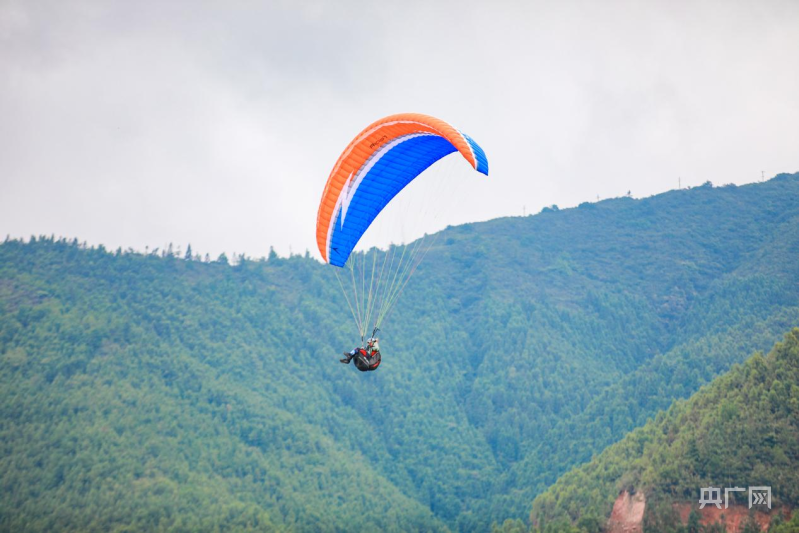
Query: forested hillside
x=159, y=392
x=739, y=431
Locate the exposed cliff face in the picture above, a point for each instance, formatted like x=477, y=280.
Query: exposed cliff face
x=734, y=517
x=628, y=513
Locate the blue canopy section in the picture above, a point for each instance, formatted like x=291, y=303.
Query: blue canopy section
x=395, y=169
x=479, y=155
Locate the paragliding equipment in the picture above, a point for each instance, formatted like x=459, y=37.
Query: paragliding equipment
x=366, y=358
x=374, y=168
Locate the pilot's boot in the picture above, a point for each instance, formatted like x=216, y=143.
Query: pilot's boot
x=347, y=358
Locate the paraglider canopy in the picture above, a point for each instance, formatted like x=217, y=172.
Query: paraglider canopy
x=379, y=163
x=381, y=160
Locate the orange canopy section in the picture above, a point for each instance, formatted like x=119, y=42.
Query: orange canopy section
x=372, y=144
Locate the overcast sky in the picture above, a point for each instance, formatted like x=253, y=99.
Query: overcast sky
x=140, y=123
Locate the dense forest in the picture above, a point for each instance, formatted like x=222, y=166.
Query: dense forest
x=158, y=391
x=741, y=430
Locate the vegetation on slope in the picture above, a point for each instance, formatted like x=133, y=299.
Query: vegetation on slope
x=741, y=430
x=130, y=381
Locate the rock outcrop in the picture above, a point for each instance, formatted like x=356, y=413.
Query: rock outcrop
x=628, y=513
x=734, y=517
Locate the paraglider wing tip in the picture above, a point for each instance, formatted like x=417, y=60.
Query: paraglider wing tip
x=480, y=159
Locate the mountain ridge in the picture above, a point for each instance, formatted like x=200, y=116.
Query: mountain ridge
x=525, y=308
x=738, y=431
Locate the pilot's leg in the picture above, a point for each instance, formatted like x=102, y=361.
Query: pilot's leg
x=348, y=356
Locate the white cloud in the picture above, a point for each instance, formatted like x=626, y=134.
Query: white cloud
x=133, y=124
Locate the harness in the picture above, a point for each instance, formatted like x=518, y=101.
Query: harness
x=365, y=362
